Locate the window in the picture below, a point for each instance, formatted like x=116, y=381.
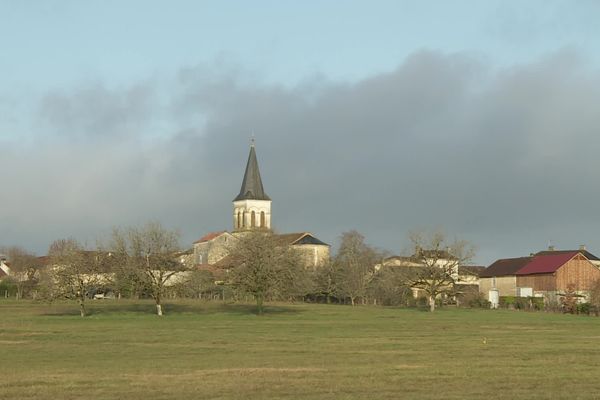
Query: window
x=253, y=219
x=263, y=223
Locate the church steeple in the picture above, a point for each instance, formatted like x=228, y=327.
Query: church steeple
x=252, y=206
x=252, y=187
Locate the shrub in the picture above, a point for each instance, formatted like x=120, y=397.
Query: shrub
x=422, y=302
x=469, y=296
x=521, y=303
x=552, y=304
x=507, y=301
x=569, y=300
x=8, y=288
x=536, y=303
x=584, y=308
x=595, y=294
x=477, y=301
x=411, y=302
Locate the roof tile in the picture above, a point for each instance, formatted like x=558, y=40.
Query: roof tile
x=209, y=236
x=505, y=266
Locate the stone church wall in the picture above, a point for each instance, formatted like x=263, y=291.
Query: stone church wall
x=313, y=255
x=212, y=251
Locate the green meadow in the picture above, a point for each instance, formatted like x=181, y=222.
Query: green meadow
x=204, y=350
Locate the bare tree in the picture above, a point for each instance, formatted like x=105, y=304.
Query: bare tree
x=127, y=279
x=295, y=276
x=198, y=283
x=594, y=296
x=149, y=254
x=24, y=268
x=389, y=287
x=324, y=281
x=355, y=266
x=75, y=272
x=263, y=267
x=438, y=261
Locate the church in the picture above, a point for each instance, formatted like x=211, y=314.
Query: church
x=252, y=212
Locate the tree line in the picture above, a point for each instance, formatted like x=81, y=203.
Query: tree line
x=147, y=262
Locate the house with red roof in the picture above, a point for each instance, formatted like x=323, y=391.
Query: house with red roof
x=544, y=274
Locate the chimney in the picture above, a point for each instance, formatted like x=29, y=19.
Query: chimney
x=551, y=248
x=582, y=247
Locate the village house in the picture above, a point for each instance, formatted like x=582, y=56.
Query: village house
x=4, y=266
x=252, y=212
x=465, y=278
x=500, y=278
x=467, y=275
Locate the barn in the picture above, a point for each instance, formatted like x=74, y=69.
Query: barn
x=550, y=272
x=546, y=273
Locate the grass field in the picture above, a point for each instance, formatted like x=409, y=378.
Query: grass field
x=214, y=351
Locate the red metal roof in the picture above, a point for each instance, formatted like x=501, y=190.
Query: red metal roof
x=546, y=263
x=209, y=236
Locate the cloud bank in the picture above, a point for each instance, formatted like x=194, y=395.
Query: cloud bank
x=507, y=158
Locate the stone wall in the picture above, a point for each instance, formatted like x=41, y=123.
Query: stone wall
x=313, y=255
x=506, y=285
x=212, y=251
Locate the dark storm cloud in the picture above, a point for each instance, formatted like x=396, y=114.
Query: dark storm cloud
x=96, y=110
x=504, y=158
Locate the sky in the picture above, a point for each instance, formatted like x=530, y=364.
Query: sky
x=476, y=118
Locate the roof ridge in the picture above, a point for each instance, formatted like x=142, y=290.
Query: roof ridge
x=209, y=236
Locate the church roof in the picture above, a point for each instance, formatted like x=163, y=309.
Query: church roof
x=209, y=236
x=298, y=238
x=252, y=187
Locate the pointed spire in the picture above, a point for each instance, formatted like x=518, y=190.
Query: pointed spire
x=252, y=187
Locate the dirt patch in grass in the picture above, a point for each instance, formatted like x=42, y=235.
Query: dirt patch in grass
x=408, y=366
x=228, y=371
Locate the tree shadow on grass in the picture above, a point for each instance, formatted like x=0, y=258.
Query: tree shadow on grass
x=200, y=308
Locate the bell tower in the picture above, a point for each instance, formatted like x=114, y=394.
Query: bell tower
x=252, y=206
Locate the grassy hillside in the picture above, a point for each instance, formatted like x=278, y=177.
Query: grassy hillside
x=201, y=350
